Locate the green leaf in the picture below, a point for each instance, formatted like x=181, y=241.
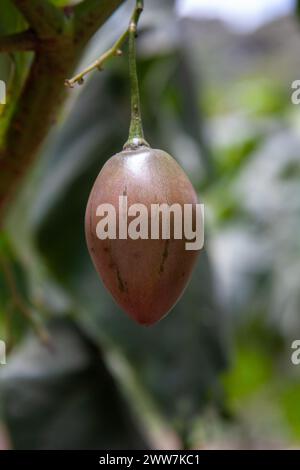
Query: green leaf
x=13, y=67
x=11, y=21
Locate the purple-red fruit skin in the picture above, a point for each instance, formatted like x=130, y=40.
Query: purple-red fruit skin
x=145, y=277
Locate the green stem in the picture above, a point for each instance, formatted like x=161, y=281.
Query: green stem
x=136, y=133
x=115, y=50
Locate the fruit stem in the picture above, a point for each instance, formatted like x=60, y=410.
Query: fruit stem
x=136, y=133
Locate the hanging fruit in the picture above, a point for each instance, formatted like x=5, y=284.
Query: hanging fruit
x=136, y=224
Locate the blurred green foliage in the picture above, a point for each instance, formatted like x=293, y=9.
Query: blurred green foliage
x=237, y=136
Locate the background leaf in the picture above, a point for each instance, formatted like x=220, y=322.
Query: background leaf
x=67, y=387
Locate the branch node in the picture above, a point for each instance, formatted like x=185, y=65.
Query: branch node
x=68, y=83
x=115, y=50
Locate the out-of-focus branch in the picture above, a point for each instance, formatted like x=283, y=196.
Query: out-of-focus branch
x=24, y=41
x=61, y=39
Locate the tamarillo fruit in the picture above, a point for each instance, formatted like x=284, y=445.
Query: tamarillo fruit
x=146, y=277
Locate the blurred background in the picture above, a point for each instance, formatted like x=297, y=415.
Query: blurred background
x=215, y=78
